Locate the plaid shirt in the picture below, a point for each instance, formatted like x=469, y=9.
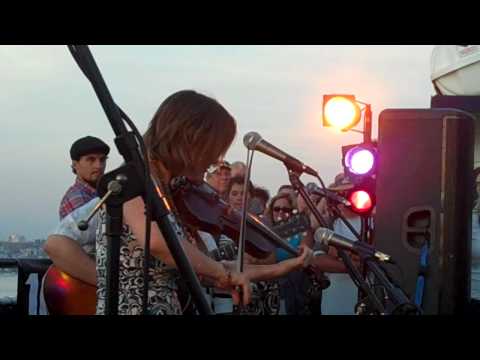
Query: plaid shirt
x=78, y=194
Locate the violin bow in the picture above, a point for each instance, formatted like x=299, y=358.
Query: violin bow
x=243, y=226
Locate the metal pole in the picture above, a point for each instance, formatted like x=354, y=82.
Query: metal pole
x=367, y=126
x=298, y=185
x=114, y=232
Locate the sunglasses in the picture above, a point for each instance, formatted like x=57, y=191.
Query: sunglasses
x=284, y=209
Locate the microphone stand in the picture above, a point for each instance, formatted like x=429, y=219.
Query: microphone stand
x=139, y=184
x=364, y=239
x=361, y=283
x=402, y=304
x=114, y=231
x=347, y=223
x=300, y=187
x=354, y=273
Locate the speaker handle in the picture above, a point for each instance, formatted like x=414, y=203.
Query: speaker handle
x=418, y=222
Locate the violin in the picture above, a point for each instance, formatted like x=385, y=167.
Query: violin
x=202, y=207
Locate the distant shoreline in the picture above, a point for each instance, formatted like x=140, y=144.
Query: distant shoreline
x=8, y=271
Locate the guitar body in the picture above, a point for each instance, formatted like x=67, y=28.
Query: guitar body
x=66, y=295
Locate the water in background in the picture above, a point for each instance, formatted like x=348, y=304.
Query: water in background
x=8, y=284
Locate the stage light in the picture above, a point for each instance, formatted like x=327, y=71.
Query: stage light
x=340, y=111
x=360, y=160
x=360, y=163
x=361, y=201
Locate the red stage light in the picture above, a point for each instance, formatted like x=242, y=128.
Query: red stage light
x=361, y=201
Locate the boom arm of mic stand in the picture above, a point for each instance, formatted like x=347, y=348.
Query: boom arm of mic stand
x=128, y=148
x=360, y=282
x=298, y=185
x=347, y=224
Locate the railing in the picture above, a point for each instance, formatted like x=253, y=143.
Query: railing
x=8, y=263
x=25, y=267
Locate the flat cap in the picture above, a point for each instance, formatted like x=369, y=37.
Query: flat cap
x=88, y=145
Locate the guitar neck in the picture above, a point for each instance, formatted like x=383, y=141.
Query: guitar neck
x=297, y=224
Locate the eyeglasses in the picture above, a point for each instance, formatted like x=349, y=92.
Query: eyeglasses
x=284, y=209
x=218, y=166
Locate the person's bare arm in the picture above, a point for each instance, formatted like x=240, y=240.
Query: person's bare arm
x=307, y=239
x=68, y=256
x=257, y=272
x=322, y=208
x=203, y=265
x=270, y=259
x=329, y=264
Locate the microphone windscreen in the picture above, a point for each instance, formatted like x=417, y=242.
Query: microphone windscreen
x=251, y=139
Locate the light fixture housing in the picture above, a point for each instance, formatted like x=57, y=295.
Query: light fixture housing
x=341, y=112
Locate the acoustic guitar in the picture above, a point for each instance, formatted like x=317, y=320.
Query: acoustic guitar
x=66, y=295
x=295, y=224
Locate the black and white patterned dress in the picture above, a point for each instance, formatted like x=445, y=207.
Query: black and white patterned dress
x=162, y=295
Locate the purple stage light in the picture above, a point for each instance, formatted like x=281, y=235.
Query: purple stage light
x=359, y=160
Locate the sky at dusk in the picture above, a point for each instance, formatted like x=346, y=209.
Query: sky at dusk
x=46, y=103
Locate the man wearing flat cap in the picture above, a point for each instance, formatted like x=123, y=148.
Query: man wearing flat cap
x=71, y=250
x=89, y=157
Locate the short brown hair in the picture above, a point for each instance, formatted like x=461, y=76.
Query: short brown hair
x=189, y=130
x=240, y=180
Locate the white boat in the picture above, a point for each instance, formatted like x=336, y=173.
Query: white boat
x=455, y=70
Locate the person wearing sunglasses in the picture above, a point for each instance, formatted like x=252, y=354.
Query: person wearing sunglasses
x=293, y=286
x=288, y=189
x=341, y=296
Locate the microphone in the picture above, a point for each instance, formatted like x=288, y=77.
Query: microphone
x=328, y=237
x=332, y=196
x=253, y=141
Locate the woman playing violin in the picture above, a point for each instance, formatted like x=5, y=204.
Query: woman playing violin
x=187, y=134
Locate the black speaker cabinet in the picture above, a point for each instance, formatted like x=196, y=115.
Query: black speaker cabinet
x=424, y=193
